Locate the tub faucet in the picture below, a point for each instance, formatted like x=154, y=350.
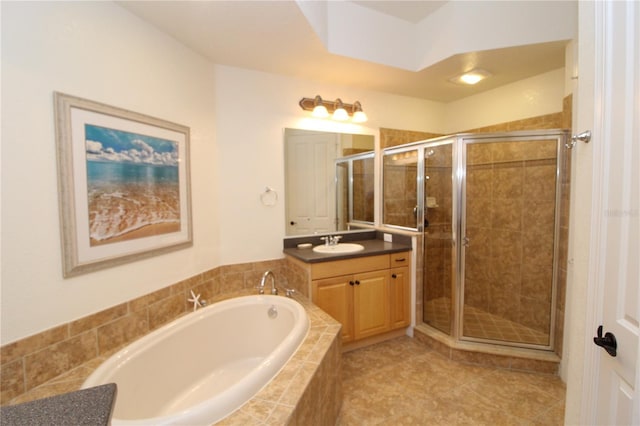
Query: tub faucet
x=267, y=274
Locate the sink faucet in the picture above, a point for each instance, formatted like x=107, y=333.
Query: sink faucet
x=267, y=274
x=331, y=240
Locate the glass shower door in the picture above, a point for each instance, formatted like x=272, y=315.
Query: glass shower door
x=400, y=176
x=439, y=256
x=509, y=232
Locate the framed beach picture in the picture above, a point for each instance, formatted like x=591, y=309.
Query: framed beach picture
x=123, y=182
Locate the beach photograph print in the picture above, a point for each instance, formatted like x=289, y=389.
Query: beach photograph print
x=133, y=187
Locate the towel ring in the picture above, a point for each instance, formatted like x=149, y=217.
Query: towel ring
x=269, y=197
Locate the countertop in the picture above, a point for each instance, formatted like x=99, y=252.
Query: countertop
x=372, y=246
x=91, y=407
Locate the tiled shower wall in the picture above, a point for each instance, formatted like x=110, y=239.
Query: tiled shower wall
x=510, y=201
x=363, y=189
x=399, y=194
x=30, y=362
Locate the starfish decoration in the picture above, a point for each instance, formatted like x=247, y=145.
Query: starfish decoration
x=195, y=300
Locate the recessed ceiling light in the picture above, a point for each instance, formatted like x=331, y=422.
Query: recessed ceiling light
x=471, y=77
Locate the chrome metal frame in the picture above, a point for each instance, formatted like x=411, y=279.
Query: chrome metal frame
x=349, y=160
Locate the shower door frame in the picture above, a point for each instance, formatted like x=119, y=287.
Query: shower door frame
x=458, y=213
x=460, y=189
x=421, y=147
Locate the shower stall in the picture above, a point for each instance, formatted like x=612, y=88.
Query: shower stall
x=488, y=209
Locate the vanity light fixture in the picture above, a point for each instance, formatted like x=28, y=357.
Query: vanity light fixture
x=471, y=77
x=339, y=110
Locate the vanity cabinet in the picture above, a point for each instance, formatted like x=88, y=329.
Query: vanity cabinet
x=369, y=295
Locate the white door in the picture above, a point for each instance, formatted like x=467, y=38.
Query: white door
x=310, y=182
x=612, y=383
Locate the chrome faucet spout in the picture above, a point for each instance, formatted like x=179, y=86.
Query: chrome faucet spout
x=263, y=280
x=331, y=240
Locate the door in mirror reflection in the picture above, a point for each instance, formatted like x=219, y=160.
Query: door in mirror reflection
x=310, y=183
x=319, y=195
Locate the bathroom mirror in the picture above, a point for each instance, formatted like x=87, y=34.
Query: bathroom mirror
x=322, y=169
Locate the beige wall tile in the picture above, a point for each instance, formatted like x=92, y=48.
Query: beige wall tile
x=122, y=331
x=59, y=358
x=11, y=380
x=167, y=310
x=92, y=321
x=34, y=343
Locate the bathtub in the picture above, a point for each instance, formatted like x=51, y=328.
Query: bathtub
x=205, y=365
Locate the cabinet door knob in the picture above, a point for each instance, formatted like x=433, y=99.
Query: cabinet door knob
x=351, y=283
x=394, y=276
x=357, y=282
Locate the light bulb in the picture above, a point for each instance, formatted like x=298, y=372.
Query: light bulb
x=319, y=110
x=358, y=115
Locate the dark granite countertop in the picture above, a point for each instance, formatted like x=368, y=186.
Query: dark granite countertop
x=372, y=241
x=91, y=407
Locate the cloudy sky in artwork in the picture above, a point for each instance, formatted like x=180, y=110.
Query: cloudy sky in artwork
x=112, y=145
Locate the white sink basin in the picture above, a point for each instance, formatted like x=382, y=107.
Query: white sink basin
x=339, y=248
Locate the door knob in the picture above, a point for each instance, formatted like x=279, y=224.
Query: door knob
x=608, y=342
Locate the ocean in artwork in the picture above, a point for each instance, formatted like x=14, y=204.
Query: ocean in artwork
x=133, y=187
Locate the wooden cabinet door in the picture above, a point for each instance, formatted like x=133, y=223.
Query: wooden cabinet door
x=400, y=300
x=371, y=304
x=335, y=297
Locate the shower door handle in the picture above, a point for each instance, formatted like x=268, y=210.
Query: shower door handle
x=608, y=342
x=465, y=241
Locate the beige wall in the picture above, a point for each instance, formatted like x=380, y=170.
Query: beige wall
x=97, y=51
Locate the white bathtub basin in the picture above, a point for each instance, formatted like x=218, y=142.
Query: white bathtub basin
x=339, y=248
x=205, y=365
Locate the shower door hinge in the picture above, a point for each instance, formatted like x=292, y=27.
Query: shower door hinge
x=582, y=137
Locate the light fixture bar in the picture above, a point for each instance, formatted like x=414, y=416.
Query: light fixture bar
x=344, y=110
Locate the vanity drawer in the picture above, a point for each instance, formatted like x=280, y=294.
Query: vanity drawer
x=349, y=266
x=400, y=259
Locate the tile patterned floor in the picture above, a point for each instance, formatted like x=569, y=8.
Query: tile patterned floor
x=402, y=382
x=484, y=325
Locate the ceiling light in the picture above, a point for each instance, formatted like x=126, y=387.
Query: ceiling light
x=339, y=113
x=319, y=110
x=340, y=110
x=471, y=77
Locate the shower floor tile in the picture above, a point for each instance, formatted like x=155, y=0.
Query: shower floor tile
x=403, y=382
x=480, y=324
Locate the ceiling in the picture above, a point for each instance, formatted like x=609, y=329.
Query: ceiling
x=275, y=37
